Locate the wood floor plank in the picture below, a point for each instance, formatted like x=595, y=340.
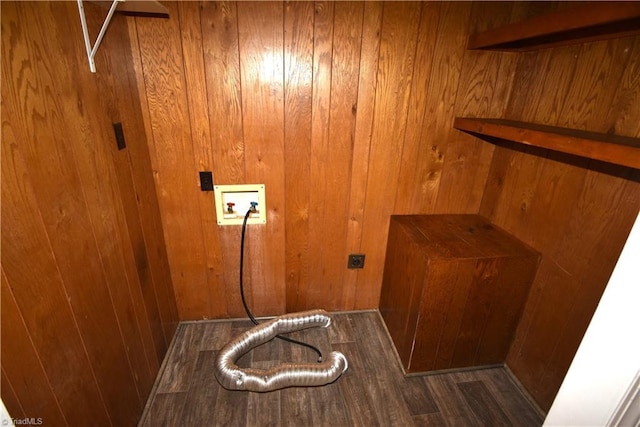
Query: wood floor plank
x=203, y=391
x=269, y=351
x=354, y=389
x=183, y=356
x=418, y=397
x=328, y=407
x=516, y=405
x=316, y=337
x=165, y=410
x=483, y=404
x=341, y=329
x=383, y=372
x=327, y=404
x=453, y=408
x=230, y=408
x=215, y=335
x=373, y=391
x=429, y=420
x=295, y=407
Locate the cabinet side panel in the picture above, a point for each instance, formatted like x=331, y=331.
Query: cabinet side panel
x=458, y=288
x=511, y=290
x=438, y=305
x=401, y=287
x=476, y=312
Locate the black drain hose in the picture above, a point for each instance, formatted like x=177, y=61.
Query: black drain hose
x=244, y=301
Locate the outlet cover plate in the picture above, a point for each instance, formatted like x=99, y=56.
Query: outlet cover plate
x=355, y=261
x=206, y=181
x=241, y=197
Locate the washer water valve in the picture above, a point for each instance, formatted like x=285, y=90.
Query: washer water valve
x=234, y=201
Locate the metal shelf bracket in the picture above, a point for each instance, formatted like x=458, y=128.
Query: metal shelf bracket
x=91, y=50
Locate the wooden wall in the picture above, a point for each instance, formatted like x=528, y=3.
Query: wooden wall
x=87, y=304
x=342, y=109
x=578, y=213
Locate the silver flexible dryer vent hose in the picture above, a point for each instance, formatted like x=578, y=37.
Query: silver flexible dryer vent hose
x=232, y=377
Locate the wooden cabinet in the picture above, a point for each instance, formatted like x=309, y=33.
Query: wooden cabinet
x=453, y=290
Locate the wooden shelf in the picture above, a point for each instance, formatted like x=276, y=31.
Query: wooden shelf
x=616, y=149
x=149, y=8
x=585, y=23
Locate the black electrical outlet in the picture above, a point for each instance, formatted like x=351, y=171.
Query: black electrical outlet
x=356, y=261
x=119, y=133
x=206, y=181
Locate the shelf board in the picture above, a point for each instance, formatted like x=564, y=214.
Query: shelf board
x=615, y=149
x=149, y=8
x=589, y=22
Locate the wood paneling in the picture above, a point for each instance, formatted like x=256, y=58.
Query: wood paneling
x=365, y=108
x=319, y=143
x=483, y=90
x=343, y=110
x=219, y=25
x=195, y=81
x=22, y=366
x=298, y=63
x=576, y=211
x=345, y=65
x=172, y=139
x=359, y=127
x=260, y=39
x=400, y=23
x=415, y=157
x=87, y=321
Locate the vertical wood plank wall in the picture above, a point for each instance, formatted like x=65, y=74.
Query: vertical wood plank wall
x=342, y=109
x=87, y=302
x=576, y=212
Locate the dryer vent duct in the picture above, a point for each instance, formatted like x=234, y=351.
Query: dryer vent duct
x=232, y=377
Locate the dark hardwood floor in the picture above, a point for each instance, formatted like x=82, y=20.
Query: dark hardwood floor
x=372, y=392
